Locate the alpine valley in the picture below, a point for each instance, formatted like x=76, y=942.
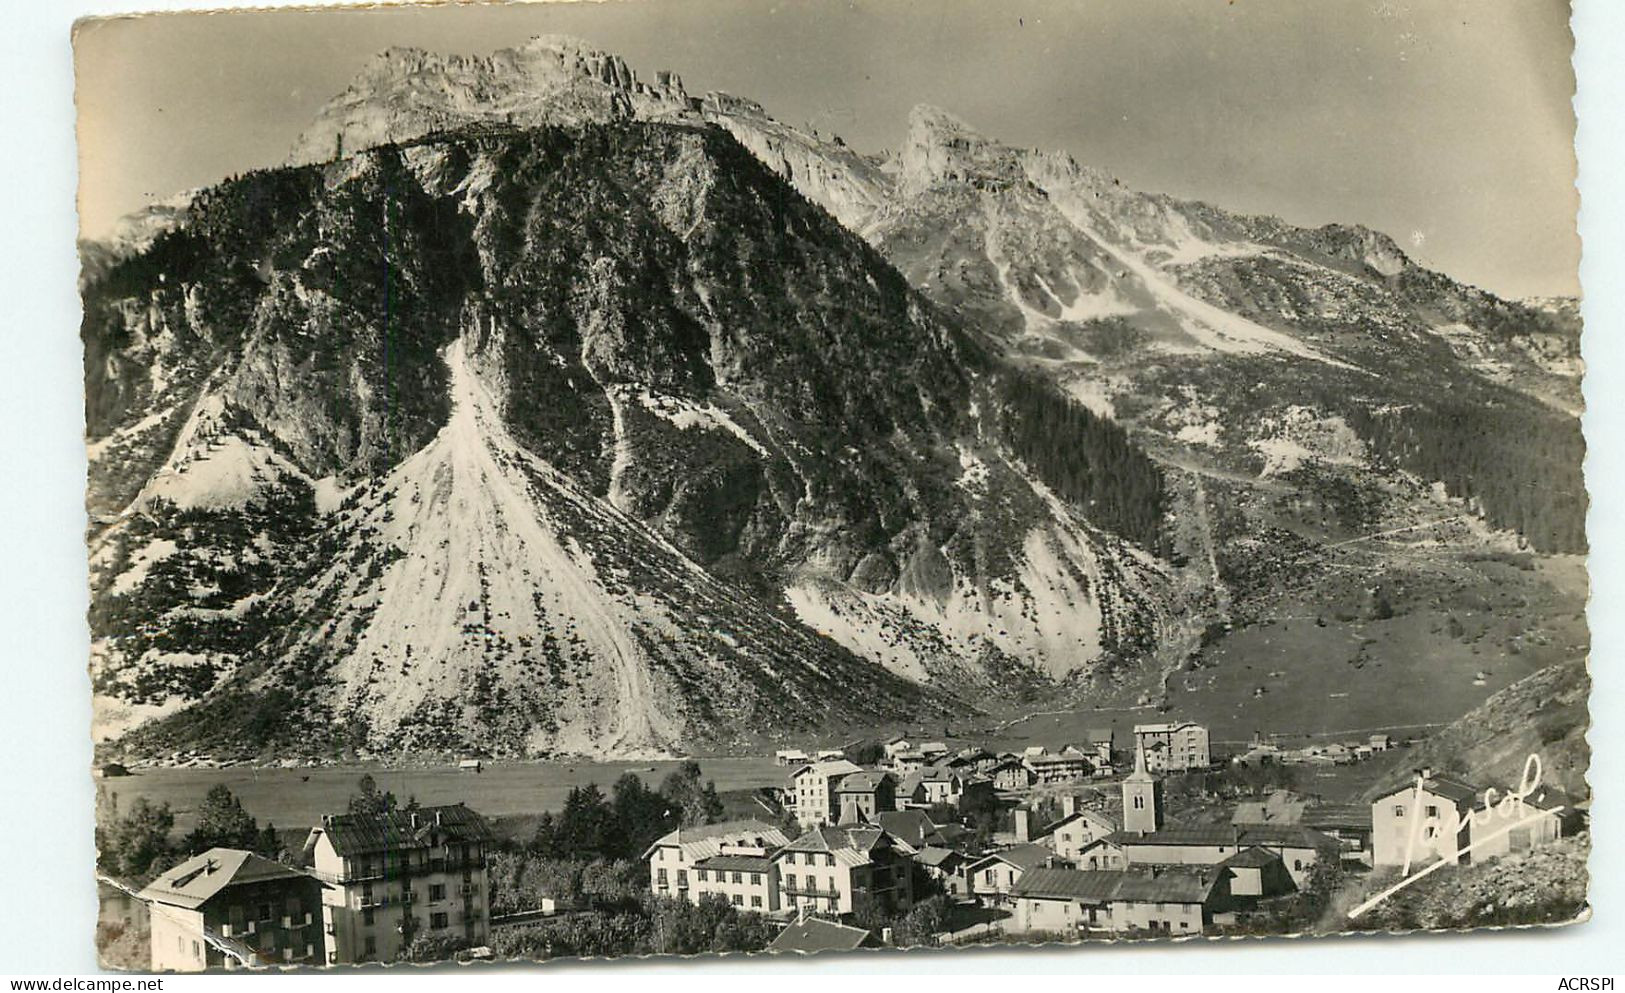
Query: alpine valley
x=533, y=408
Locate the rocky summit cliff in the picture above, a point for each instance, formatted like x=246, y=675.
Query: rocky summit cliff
x=537, y=407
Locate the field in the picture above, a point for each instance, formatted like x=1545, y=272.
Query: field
x=297, y=798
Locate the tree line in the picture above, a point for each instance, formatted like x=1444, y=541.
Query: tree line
x=1088, y=460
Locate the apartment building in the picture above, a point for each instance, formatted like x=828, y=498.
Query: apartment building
x=814, y=786
x=396, y=875
x=1175, y=746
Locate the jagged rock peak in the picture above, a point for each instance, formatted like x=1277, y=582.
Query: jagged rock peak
x=941, y=148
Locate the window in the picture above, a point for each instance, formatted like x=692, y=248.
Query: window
x=437, y=892
x=756, y=902
x=369, y=947
x=1139, y=802
x=1399, y=810
x=1431, y=810
x=829, y=860
x=439, y=921
x=266, y=911
x=197, y=951
x=737, y=878
x=682, y=877
x=790, y=881
x=756, y=879
x=738, y=900
x=701, y=873
x=660, y=876
x=1297, y=864
x=366, y=917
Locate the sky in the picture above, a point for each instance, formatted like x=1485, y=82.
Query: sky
x=1447, y=124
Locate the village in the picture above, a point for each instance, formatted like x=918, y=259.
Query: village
x=886, y=843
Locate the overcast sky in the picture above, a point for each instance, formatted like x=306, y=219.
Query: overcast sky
x=1446, y=123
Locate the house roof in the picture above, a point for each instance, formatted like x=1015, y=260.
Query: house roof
x=1454, y=790
x=197, y=880
x=832, y=767
x=363, y=834
x=1094, y=886
x=818, y=935
x=740, y=863
x=937, y=857
x=1280, y=807
x=1075, y=759
x=1162, y=885
x=1255, y=858
x=1170, y=885
x=1350, y=816
x=849, y=843
x=1022, y=857
x=1105, y=820
x=912, y=826
x=1163, y=727
x=862, y=782
x=1547, y=797
x=930, y=774
x=1239, y=836
x=706, y=840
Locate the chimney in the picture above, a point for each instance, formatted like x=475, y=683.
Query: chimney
x=1425, y=773
x=1023, y=832
x=886, y=936
x=1069, y=805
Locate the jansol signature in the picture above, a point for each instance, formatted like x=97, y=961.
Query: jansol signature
x=1505, y=813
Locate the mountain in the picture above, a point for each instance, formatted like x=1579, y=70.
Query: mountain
x=1119, y=295
x=594, y=440
x=963, y=423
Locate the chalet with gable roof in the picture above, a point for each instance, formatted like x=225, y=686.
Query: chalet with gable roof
x=820, y=871
x=1435, y=817
x=1078, y=828
x=228, y=908
x=733, y=859
x=991, y=878
x=1011, y=775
